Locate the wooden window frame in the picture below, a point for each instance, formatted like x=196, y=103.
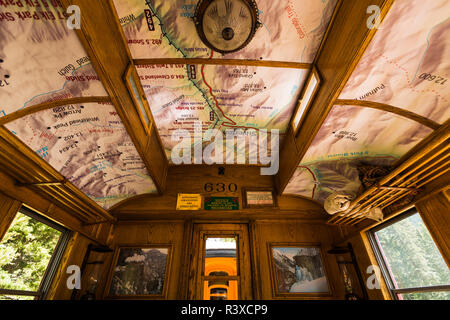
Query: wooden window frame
x=167, y=278
x=131, y=73
x=54, y=261
x=313, y=73
x=394, y=292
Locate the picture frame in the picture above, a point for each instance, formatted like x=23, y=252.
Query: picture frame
x=298, y=270
x=307, y=95
x=139, y=272
x=262, y=194
x=131, y=79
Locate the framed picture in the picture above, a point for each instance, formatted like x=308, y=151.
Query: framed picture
x=138, y=95
x=258, y=197
x=298, y=270
x=140, y=272
x=306, y=97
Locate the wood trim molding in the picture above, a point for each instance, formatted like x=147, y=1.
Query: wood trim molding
x=49, y=105
x=388, y=108
x=225, y=62
x=26, y=167
x=346, y=42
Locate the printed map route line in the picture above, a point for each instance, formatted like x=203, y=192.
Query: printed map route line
x=231, y=124
x=172, y=43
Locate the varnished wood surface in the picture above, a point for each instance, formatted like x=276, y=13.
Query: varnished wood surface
x=267, y=233
x=386, y=107
x=225, y=62
x=184, y=179
x=435, y=212
x=104, y=41
x=141, y=234
x=49, y=105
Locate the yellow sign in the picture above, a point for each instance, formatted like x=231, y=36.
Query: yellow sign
x=189, y=201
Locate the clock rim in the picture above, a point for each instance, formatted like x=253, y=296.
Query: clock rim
x=200, y=9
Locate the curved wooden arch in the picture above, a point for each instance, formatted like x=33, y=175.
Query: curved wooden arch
x=52, y=104
x=388, y=108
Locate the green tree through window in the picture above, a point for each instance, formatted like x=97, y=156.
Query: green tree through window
x=412, y=258
x=25, y=253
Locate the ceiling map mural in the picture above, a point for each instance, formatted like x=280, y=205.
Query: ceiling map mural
x=406, y=65
x=89, y=145
x=221, y=97
x=52, y=65
x=160, y=28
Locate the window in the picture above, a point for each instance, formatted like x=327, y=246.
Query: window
x=409, y=259
x=29, y=255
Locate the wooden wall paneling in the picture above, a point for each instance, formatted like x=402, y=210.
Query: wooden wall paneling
x=150, y=233
x=8, y=210
x=435, y=212
x=47, y=207
x=255, y=261
x=186, y=260
x=388, y=108
x=192, y=179
x=267, y=232
x=345, y=43
x=74, y=255
x=26, y=167
x=103, y=39
x=365, y=257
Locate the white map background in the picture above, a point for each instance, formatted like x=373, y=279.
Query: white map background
x=89, y=145
x=414, y=39
x=43, y=60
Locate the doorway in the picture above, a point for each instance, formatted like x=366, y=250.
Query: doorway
x=220, y=262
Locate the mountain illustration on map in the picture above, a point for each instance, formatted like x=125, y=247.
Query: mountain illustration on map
x=412, y=76
x=88, y=144
x=54, y=65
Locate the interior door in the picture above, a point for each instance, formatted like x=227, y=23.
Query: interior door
x=220, y=262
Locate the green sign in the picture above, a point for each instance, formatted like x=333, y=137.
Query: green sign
x=221, y=203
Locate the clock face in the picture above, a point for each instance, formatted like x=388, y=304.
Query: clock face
x=226, y=25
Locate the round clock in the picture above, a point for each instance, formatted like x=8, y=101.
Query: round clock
x=226, y=25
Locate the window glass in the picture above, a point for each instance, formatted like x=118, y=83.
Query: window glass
x=25, y=253
x=425, y=296
x=411, y=256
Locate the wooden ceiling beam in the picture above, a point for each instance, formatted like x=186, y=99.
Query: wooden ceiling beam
x=104, y=41
x=346, y=42
x=225, y=62
x=388, y=108
x=49, y=105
